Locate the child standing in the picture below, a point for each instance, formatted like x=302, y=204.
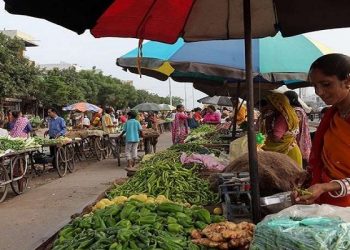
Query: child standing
x=132, y=130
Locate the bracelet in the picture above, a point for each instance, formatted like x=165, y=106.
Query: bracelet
x=341, y=193
x=347, y=184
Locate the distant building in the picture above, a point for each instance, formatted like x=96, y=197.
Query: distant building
x=60, y=66
x=29, y=41
x=128, y=82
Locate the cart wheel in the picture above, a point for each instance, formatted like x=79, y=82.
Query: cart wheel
x=60, y=161
x=19, y=167
x=98, y=149
x=85, y=148
x=70, y=158
x=3, y=187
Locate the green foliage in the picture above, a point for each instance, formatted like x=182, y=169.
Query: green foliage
x=20, y=77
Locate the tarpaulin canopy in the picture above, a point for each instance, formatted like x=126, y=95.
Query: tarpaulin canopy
x=82, y=107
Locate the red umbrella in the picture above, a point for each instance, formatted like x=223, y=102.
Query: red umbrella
x=166, y=20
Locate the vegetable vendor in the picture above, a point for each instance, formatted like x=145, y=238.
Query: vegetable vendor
x=329, y=158
x=281, y=125
x=57, y=125
x=21, y=126
x=57, y=128
x=212, y=116
x=107, y=122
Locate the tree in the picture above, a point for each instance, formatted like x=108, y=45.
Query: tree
x=18, y=75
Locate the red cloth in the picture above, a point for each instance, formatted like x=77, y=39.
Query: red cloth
x=214, y=117
x=161, y=20
x=280, y=126
x=317, y=169
x=123, y=119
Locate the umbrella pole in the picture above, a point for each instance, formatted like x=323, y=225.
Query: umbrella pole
x=253, y=159
x=235, y=105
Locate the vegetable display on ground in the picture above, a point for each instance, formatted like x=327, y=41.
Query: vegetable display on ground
x=137, y=222
x=163, y=174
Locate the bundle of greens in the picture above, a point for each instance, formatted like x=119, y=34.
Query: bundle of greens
x=36, y=121
x=16, y=144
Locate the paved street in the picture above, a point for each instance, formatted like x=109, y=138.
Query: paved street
x=33, y=217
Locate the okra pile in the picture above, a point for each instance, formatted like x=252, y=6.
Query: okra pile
x=134, y=224
x=164, y=174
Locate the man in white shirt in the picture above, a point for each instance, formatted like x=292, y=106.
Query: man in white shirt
x=86, y=122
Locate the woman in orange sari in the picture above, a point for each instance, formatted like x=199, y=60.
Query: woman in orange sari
x=329, y=158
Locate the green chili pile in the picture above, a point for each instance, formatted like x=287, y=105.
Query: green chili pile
x=168, y=177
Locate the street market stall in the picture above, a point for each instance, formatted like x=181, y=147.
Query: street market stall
x=61, y=154
x=95, y=143
x=14, y=164
x=14, y=172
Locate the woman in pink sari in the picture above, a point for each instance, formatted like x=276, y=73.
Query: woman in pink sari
x=21, y=127
x=179, y=125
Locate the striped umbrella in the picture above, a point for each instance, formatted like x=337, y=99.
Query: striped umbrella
x=82, y=107
x=275, y=60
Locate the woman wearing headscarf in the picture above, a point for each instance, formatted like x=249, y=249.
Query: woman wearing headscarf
x=329, y=158
x=303, y=138
x=21, y=126
x=281, y=126
x=179, y=125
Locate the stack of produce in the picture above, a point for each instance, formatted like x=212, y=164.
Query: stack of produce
x=16, y=144
x=205, y=134
x=137, y=222
x=36, y=121
x=164, y=174
x=197, y=134
x=224, y=235
x=312, y=233
x=44, y=141
x=190, y=148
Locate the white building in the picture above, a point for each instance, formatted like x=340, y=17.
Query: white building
x=29, y=41
x=60, y=66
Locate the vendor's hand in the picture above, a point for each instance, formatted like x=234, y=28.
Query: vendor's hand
x=316, y=191
x=46, y=133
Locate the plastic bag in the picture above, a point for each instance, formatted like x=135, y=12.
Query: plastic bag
x=304, y=227
x=315, y=210
x=238, y=148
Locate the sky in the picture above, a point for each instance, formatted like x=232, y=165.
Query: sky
x=58, y=44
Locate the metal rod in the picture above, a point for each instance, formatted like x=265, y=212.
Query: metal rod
x=253, y=159
x=170, y=95
x=235, y=105
x=192, y=96
x=185, y=96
